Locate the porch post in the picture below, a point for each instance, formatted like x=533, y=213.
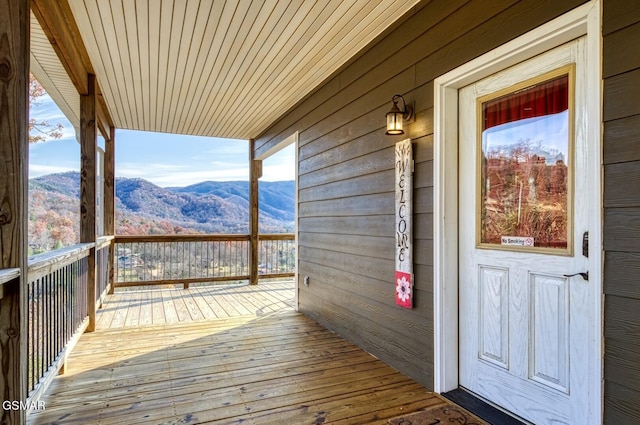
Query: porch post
x=109, y=198
x=88, y=140
x=14, y=155
x=255, y=172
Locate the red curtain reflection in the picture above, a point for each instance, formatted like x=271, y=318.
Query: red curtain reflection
x=550, y=97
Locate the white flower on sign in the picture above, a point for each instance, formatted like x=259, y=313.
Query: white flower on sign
x=403, y=289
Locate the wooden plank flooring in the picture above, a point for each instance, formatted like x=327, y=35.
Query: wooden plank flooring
x=266, y=365
x=165, y=306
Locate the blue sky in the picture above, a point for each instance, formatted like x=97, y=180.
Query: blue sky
x=550, y=131
x=163, y=159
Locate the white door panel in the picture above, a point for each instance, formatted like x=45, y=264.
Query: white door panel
x=523, y=322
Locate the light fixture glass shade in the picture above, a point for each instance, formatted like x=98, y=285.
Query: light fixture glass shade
x=394, y=121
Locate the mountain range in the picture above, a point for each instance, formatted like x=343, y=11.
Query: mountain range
x=145, y=208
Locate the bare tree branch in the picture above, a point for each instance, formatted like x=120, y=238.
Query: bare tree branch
x=40, y=130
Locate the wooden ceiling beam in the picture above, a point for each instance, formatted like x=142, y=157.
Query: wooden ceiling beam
x=58, y=24
x=105, y=123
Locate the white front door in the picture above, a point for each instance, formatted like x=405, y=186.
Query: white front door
x=524, y=321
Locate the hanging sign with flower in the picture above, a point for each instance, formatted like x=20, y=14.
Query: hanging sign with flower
x=404, y=240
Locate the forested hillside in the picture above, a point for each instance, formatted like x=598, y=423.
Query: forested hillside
x=143, y=208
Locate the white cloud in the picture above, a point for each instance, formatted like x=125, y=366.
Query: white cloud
x=47, y=110
x=180, y=175
x=280, y=166
x=278, y=173
x=37, y=170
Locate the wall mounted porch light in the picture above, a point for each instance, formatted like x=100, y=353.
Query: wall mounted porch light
x=395, y=116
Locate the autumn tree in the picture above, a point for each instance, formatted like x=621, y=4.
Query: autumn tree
x=40, y=130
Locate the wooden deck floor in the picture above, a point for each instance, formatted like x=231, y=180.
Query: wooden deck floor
x=165, y=306
x=270, y=366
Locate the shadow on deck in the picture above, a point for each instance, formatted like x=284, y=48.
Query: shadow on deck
x=263, y=364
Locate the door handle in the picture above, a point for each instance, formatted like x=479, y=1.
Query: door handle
x=584, y=275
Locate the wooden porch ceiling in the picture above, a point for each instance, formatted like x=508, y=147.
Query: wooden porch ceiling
x=216, y=68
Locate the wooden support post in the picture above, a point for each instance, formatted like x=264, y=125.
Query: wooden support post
x=88, y=147
x=255, y=172
x=14, y=160
x=109, y=199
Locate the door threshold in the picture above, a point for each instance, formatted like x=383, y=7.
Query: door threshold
x=480, y=408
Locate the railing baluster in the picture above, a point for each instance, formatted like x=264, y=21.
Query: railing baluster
x=219, y=265
x=73, y=301
x=55, y=313
x=55, y=330
x=41, y=343
x=45, y=311
x=41, y=306
x=31, y=334
x=198, y=260
x=36, y=331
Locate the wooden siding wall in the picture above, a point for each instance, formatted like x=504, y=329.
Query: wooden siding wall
x=621, y=73
x=346, y=177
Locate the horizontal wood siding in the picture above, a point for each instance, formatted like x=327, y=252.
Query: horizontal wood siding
x=621, y=73
x=346, y=172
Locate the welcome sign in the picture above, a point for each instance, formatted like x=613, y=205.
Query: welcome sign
x=404, y=240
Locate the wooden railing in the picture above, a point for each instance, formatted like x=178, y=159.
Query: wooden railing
x=180, y=259
x=187, y=259
x=276, y=255
x=57, y=310
x=58, y=283
x=57, y=307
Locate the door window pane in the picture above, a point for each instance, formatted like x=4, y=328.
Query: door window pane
x=525, y=196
